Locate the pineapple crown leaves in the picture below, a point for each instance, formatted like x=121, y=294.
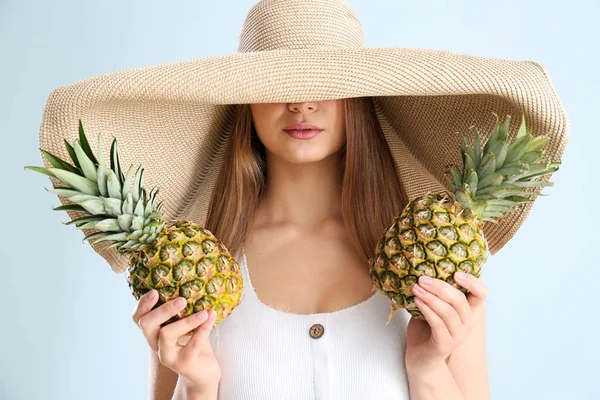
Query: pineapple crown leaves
x=125, y=216
x=493, y=180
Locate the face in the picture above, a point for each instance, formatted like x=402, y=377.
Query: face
x=273, y=125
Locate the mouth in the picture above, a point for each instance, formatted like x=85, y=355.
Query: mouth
x=302, y=131
x=302, y=127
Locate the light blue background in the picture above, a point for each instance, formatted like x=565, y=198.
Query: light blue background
x=66, y=318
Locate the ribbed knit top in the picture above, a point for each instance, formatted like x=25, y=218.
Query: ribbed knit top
x=265, y=353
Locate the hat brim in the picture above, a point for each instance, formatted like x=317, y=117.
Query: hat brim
x=174, y=119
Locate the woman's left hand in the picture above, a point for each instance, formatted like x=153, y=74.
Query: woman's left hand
x=449, y=319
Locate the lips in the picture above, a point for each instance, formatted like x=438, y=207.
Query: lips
x=301, y=127
x=302, y=131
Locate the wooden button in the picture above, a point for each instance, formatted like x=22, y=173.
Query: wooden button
x=316, y=331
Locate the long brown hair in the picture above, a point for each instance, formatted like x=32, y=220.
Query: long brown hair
x=371, y=192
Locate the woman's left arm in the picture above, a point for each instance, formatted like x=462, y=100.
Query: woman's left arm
x=445, y=353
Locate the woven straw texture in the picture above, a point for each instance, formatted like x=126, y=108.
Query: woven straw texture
x=174, y=119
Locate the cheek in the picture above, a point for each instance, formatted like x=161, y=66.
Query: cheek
x=341, y=130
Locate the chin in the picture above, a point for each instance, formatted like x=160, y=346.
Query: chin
x=307, y=157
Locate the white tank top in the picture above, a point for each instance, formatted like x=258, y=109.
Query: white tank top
x=265, y=353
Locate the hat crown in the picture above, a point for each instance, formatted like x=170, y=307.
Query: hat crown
x=300, y=24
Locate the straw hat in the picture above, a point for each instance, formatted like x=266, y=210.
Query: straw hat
x=174, y=119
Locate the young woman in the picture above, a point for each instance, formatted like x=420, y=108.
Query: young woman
x=318, y=187
x=297, y=152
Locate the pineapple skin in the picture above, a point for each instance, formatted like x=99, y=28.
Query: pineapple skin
x=187, y=260
x=432, y=236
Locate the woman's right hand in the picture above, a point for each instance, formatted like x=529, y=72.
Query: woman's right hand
x=194, y=361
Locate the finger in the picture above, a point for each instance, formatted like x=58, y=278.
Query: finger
x=169, y=334
x=450, y=295
x=169, y=347
x=200, y=337
x=150, y=323
x=207, y=327
x=439, y=331
x=442, y=309
x=478, y=291
x=144, y=305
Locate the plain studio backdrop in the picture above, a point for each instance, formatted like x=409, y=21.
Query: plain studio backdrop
x=66, y=329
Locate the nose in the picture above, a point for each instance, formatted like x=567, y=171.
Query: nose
x=304, y=108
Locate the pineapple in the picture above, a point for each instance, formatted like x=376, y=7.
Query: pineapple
x=440, y=233
x=177, y=258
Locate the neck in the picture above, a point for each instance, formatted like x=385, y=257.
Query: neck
x=304, y=195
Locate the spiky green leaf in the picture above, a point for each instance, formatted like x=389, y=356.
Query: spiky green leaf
x=94, y=206
x=115, y=165
x=85, y=145
x=477, y=148
x=512, y=169
x=78, y=198
x=70, y=207
x=491, y=179
x=127, y=182
x=136, y=235
x=527, y=184
x=137, y=222
x=128, y=204
x=455, y=176
x=538, y=143
x=114, y=185
x=522, y=128
x=466, y=149
x=75, y=181
x=487, y=166
x=499, y=149
x=139, y=208
x=93, y=235
x=138, y=183
x=471, y=182
x=103, y=180
x=448, y=180
x=109, y=224
x=42, y=170
x=531, y=157
x=518, y=199
x=468, y=164
x=124, y=221
x=85, y=218
x=112, y=206
x=87, y=225
x=115, y=237
x=56, y=162
x=87, y=166
x=65, y=192
x=72, y=154
x=517, y=148
x=493, y=136
x=464, y=199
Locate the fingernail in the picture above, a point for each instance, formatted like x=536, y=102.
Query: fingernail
x=461, y=276
x=200, y=315
x=418, y=289
x=179, y=302
x=152, y=295
x=425, y=280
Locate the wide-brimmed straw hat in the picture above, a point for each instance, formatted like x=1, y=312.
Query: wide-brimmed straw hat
x=175, y=119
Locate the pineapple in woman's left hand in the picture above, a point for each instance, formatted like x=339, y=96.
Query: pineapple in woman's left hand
x=439, y=234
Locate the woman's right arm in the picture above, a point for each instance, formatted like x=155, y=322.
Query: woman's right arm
x=163, y=384
x=161, y=380
x=178, y=371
